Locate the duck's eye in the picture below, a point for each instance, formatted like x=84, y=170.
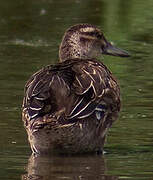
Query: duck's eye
x=96, y=34
x=99, y=36
x=83, y=39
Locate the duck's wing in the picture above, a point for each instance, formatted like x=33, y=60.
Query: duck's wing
x=75, y=89
x=97, y=90
x=41, y=91
x=36, y=92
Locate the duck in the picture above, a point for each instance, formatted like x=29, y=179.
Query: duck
x=69, y=107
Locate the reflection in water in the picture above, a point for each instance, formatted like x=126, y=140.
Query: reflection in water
x=92, y=167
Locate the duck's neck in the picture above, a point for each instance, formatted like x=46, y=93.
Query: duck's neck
x=70, y=48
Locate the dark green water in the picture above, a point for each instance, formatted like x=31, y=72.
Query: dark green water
x=30, y=34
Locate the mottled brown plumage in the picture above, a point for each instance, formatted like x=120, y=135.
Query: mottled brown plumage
x=69, y=107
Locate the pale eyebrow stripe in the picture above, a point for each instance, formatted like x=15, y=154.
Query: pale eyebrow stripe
x=87, y=36
x=87, y=29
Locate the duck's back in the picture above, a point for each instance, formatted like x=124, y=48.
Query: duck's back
x=75, y=91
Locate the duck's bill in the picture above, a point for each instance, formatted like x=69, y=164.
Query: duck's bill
x=114, y=51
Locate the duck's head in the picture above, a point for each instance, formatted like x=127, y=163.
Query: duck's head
x=86, y=41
